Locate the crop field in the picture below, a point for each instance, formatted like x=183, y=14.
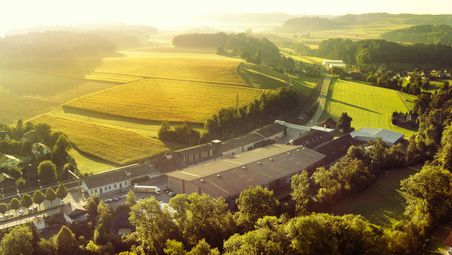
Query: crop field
x=110, y=144
x=109, y=77
x=174, y=65
x=174, y=101
x=382, y=203
x=369, y=106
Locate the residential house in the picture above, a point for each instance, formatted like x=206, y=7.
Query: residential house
x=40, y=150
x=241, y=144
x=117, y=180
x=74, y=213
x=9, y=161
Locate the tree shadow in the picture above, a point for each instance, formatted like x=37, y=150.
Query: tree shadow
x=355, y=106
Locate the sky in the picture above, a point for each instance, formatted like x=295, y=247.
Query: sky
x=18, y=14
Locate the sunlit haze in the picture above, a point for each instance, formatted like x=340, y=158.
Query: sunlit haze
x=166, y=14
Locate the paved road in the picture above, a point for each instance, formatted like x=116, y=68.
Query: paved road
x=321, y=100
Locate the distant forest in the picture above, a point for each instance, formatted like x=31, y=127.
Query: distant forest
x=430, y=34
x=58, y=46
x=310, y=24
x=384, y=52
x=243, y=45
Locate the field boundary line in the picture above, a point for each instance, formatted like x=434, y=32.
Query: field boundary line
x=244, y=85
x=403, y=100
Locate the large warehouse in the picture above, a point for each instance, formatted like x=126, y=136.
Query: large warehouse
x=270, y=166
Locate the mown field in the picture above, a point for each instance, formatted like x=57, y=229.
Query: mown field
x=111, y=144
x=382, y=203
x=175, y=101
x=369, y=106
x=174, y=65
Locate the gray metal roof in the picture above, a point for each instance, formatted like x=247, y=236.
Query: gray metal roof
x=228, y=176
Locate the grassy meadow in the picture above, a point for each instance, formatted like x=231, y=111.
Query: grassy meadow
x=369, y=106
x=382, y=203
x=175, y=101
x=111, y=144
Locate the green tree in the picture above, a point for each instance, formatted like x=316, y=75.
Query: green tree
x=3, y=208
x=39, y=198
x=174, y=247
x=153, y=224
x=47, y=172
x=26, y=201
x=59, y=154
x=254, y=203
x=104, y=220
x=65, y=241
x=268, y=238
x=91, y=207
x=45, y=247
x=201, y=216
x=300, y=192
x=203, y=248
x=328, y=185
x=14, y=204
x=345, y=122
x=61, y=191
x=50, y=195
x=17, y=241
x=131, y=198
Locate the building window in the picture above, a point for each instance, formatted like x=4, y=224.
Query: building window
x=120, y=185
x=95, y=190
x=115, y=186
x=100, y=190
x=126, y=183
x=200, y=155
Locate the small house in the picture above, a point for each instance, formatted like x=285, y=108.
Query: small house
x=74, y=214
x=9, y=161
x=31, y=136
x=40, y=150
x=7, y=183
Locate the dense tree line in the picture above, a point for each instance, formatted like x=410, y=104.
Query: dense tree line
x=428, y=34
x=374, y=52
x=180, y=134
x=230, y=122
x=248, y=47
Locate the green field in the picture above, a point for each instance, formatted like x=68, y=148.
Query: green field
x=369, y=106
x=382, y=203
x=110, y=144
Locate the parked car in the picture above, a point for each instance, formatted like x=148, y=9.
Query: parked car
x=116, y=199
x=108, y=200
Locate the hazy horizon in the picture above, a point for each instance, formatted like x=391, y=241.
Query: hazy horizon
x=172, y=14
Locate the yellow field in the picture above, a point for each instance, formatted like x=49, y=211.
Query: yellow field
x=116, y=78
x=110, y=144
x=174, y=65
x=175, y=101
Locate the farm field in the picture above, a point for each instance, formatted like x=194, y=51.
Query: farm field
x=110, y=144
x=382, y=203
x=174, y=101
x=369, y=106
x=174, y=65
x=90, y=165
x=23, y=95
